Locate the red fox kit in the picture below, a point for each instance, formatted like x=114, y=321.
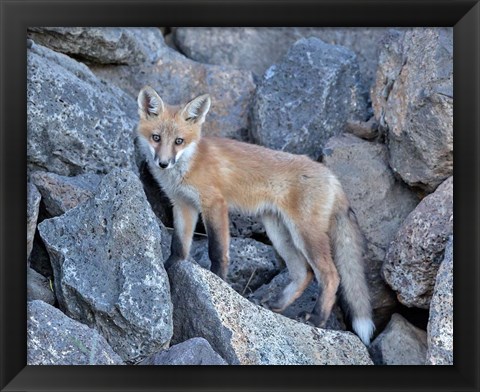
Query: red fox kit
x=301, y=203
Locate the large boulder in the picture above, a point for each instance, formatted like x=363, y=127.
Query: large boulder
x=55, y=339
x=413, y=100
x=75, y=123
x=308, y=97
x=251, y=263
x=62, y=193
x=178, y=79
x=108, y=266
x=104, y=45
x=400, y=343
x=195, y=351
x=257, y=48
x=380, y=202
x=33, y=205
x=440, y=322
x=244, y=333
x=414, y=256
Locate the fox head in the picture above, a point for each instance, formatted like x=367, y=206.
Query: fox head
x=170, y=131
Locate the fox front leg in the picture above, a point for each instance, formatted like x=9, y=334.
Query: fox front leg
x=215, y=217
x=184, y=220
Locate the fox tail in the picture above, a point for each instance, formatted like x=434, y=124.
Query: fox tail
x=347, y=246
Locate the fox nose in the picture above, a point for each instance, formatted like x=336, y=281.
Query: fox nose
x=163, y=165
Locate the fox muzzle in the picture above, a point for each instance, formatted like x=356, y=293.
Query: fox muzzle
x=167, y=164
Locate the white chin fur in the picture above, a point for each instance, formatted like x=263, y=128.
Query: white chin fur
x=152, y=151
x=364, y=328
x=185, y=154
x=179, y=154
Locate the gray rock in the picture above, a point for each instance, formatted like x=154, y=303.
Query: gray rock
x=33, y=205
x=414, y=256
x=39, y=259
x=257, y=48
x=308, y=97
x=304, y=303
x=195, y=351
x=55, y=339
x=108, y=266
x=400, y=343
x=170, y=42
x=364, y=129
x=243, y=333
x=38, y=287
x=413, y=100
x=440, y=323
x=178, y=80
x=62, y=193
x=252, y=263
x=75, y=123
x=199, y=252
x=245, y=226
x=104, y=45
x=380, y=202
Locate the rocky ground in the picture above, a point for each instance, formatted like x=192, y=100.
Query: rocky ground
x=374, y=105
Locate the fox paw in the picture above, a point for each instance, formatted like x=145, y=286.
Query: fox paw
x=311, y=319
x=304, y=317
x=274, y=306
x=269, y=303
x=256, y=301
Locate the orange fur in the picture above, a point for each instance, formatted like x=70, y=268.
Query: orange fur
x=301, y=202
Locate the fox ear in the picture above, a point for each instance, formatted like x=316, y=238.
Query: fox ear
x=197, y=109
x=149, y=103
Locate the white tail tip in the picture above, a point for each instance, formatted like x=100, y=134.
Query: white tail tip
x=364, y=328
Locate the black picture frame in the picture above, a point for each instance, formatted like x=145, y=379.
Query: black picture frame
x=17, y=15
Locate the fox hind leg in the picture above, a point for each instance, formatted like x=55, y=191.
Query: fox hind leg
x=298, y=268
x=315, y=247
x=328, y=280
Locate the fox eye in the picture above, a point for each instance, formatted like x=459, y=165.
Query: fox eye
x=178, y=141
x=156, y=138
